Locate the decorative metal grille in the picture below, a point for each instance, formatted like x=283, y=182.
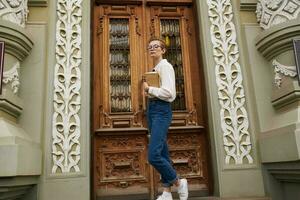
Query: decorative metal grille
x=170, y=31
x=120, y=77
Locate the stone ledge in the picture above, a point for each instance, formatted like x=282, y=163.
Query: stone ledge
x=280, y=145
x=37, y=3
x=248, y=5
x=278, y=39
x=283, y=179
x=11, y=103
x=20, y=156
x=18, y=187
x=289, y=93
x=17, y=42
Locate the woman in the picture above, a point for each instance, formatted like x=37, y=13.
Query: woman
x=159, y=115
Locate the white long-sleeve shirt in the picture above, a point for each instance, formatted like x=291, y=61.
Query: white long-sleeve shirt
x=167, y=89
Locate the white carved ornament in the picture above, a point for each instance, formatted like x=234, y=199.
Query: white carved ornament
x=67, y=84
x=272, y=12
x=234, y=116
x=280, y=69
x=12, y=76
x=15, y=11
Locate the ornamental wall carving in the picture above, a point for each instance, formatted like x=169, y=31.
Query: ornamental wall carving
x=15, y=11
x=67, y=83
x=272, y=12
x=282, y=70
x=233, y=113
x=11, y=77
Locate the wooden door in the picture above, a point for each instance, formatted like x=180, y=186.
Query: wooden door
x=121, y=30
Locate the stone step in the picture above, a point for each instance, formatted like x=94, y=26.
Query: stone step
x=228, y=198
x=190, y=198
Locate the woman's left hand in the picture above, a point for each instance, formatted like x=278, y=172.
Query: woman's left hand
x=146, y=86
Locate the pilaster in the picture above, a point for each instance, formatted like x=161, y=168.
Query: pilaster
x=231, y=114
x=67, y=110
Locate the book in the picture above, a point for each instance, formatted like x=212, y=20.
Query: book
x=152, y=78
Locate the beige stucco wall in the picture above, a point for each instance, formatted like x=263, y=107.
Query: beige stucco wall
x=277, y=117
x=269, y=127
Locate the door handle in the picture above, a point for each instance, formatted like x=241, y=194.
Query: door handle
x=124, y=184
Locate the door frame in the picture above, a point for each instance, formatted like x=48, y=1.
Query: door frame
x=209, y=152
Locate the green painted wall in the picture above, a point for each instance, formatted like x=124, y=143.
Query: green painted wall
x=269, y=127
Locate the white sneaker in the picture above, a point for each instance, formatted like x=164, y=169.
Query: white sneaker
x=165, y=196
x=183, y=189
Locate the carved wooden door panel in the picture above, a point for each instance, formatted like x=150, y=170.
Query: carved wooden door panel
x=187, y=136
x=120, y=137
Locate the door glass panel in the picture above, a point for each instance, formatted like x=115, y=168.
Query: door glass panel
x=120, y=78
x=171, y=33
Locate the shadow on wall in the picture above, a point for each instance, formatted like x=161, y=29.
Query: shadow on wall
x=282, y=180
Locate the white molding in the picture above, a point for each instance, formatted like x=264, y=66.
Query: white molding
x=66, y=152
x=15, y=11
x=280, y=69
x=272, y=12
x=233, y=113
x=12, y=76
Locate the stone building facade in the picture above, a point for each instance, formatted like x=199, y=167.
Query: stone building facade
x=251, y=90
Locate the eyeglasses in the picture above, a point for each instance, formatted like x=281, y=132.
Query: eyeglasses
x=155, y=46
